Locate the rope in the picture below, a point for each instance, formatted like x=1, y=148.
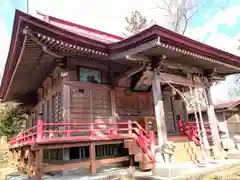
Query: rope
x=193, y=104
x=204, y=135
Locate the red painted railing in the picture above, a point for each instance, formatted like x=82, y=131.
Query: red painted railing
x=191, y=130
x=73, y=132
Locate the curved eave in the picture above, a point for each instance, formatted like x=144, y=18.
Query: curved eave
x=172, y=38
x=13, y=53
x=22, y=20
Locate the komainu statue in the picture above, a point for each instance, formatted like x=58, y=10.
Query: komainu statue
x=168, y=149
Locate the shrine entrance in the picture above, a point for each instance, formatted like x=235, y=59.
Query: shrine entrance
x=170, y=117
x=174, y=109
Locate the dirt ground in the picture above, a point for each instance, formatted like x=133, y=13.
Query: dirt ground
x=225, y=173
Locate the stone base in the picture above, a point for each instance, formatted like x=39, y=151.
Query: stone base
x=167, y=171
x=234, y=154
x=219, y=153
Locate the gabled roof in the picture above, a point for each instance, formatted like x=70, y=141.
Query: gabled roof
x=90, y=40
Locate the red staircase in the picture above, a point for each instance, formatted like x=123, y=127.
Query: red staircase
x=190, y=129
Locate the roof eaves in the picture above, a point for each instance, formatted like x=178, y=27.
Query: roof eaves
x=8, y=69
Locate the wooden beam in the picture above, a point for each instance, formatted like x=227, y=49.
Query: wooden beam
x=135, y=50
x=62, y=145
x=174, y=65
x=29, y=33
x=102, y=162
x=109, y=142
x=62, y=167
x=185, y=81
x=99, y=163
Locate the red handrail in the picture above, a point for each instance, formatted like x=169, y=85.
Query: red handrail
x=191, y=128
x=46, y=132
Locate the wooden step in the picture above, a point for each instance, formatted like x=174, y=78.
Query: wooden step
x=186, y=151
x=141, y=157
x=146, y=165
x=134, y=148
x=178, y=138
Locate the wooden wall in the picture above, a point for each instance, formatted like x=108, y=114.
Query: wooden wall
x=49, y=100
x=90, y=103
x=134, y=105
x=232, y=121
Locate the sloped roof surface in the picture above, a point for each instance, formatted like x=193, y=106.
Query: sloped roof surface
x=82, y=30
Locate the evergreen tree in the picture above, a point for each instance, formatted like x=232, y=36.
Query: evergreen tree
x=11, y=121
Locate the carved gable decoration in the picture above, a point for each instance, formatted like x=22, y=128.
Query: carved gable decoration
x=125, y=82
x=145, y=81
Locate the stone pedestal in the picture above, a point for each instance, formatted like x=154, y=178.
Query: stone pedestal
x=66, y=156
x=165, y=170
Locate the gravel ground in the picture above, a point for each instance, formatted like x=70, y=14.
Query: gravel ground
x=226, y=170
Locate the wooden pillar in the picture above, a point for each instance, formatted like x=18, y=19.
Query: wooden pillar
x=159, y=109
x=131, y=160
x=213, y=118
x=30, y=163
x=38, y=164
x=21, y=160
x=66, y=97
x=113, y=106
x=92, y=154
x=15, y=157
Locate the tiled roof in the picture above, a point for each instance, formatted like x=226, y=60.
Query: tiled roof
x=227, y=104
x=220, y=106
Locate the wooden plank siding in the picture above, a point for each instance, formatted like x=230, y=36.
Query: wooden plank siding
x=90, y=104
x=134, y=105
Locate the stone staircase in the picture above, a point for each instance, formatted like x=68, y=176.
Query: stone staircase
x=185, y=150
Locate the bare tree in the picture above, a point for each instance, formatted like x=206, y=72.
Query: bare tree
x=136, y=22
x=179, y=13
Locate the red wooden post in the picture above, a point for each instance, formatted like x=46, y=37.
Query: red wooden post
x=180, y=126
x=40, y=125
x=91, y=130
x=21, y=134
x=68, y=133
x=29, y=134
x=129, y=127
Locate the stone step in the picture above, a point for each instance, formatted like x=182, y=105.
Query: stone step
x=233, y=155
x=185, y=152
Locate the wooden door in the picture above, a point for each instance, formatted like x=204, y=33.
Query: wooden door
x=169, y=115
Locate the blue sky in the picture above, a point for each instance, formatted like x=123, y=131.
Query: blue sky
x=216, y=24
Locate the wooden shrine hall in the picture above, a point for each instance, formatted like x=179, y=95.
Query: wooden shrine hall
x=94, y=98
